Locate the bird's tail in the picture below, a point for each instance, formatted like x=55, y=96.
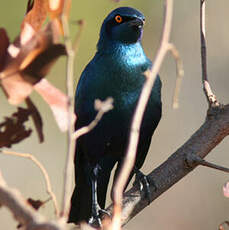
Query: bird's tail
x=81, y=202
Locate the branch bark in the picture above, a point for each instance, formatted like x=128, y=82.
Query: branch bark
x=207, y=137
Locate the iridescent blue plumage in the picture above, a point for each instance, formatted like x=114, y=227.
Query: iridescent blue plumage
x=116, y=70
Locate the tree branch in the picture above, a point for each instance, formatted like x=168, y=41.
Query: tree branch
x=68, y=172
x=206, y=138
x=180, y=74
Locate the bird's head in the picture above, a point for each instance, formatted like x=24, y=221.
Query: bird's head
x=123, y=25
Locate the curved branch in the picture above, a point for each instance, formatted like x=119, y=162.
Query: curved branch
x=206, y=138
x=22, y=212
x=43, y=171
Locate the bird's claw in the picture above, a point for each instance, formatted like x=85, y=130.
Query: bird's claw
x=95, y=221
x=97, y=217
x=142, y=181
x=103, y=213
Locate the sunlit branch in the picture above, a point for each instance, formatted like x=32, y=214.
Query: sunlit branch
x=44, y=172
x=68, y=172
x=138, y=115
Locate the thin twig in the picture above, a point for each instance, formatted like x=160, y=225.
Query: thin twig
x=138, y=115
x=214, y=166
x=44, y=172
x=211, y=98
x=180, y=74
x=193, y=159
x=76, y=42
x=68, y=172
x=102, y=108
x=24, y=213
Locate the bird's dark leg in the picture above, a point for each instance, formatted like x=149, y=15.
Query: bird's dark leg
x=143, y=182
x=96, y=212
x=94, y=219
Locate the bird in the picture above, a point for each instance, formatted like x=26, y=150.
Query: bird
x=116, y=70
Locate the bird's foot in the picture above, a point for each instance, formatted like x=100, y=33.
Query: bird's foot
x=142, y=181
x=97, y=217
x=95, y=220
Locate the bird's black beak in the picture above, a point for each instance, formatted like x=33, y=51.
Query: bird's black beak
x=137, y=22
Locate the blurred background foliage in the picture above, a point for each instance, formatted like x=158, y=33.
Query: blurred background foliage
x=197, y=201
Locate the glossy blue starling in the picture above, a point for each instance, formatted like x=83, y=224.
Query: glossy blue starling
x=117, y=71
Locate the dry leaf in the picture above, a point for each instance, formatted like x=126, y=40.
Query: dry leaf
x=27, y=64
x=37, y=120
x=36, y=204
x=28, y=59
x=13, y=130
x=56, y=8
x=57, y=101
x=36, y=14
x=4, y=43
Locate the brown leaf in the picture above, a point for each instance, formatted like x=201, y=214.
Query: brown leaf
x=13, y=130
x=36, y=14
x=16, y=88
x=29, y=5
x=57, y=101
x=4, y=43
x=56, y=8
x=37, y=120
x=28, y=63
x=24, y=63
x=36, y=204
x=40, y=66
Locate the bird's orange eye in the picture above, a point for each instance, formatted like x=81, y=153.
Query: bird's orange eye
x=118, y=18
